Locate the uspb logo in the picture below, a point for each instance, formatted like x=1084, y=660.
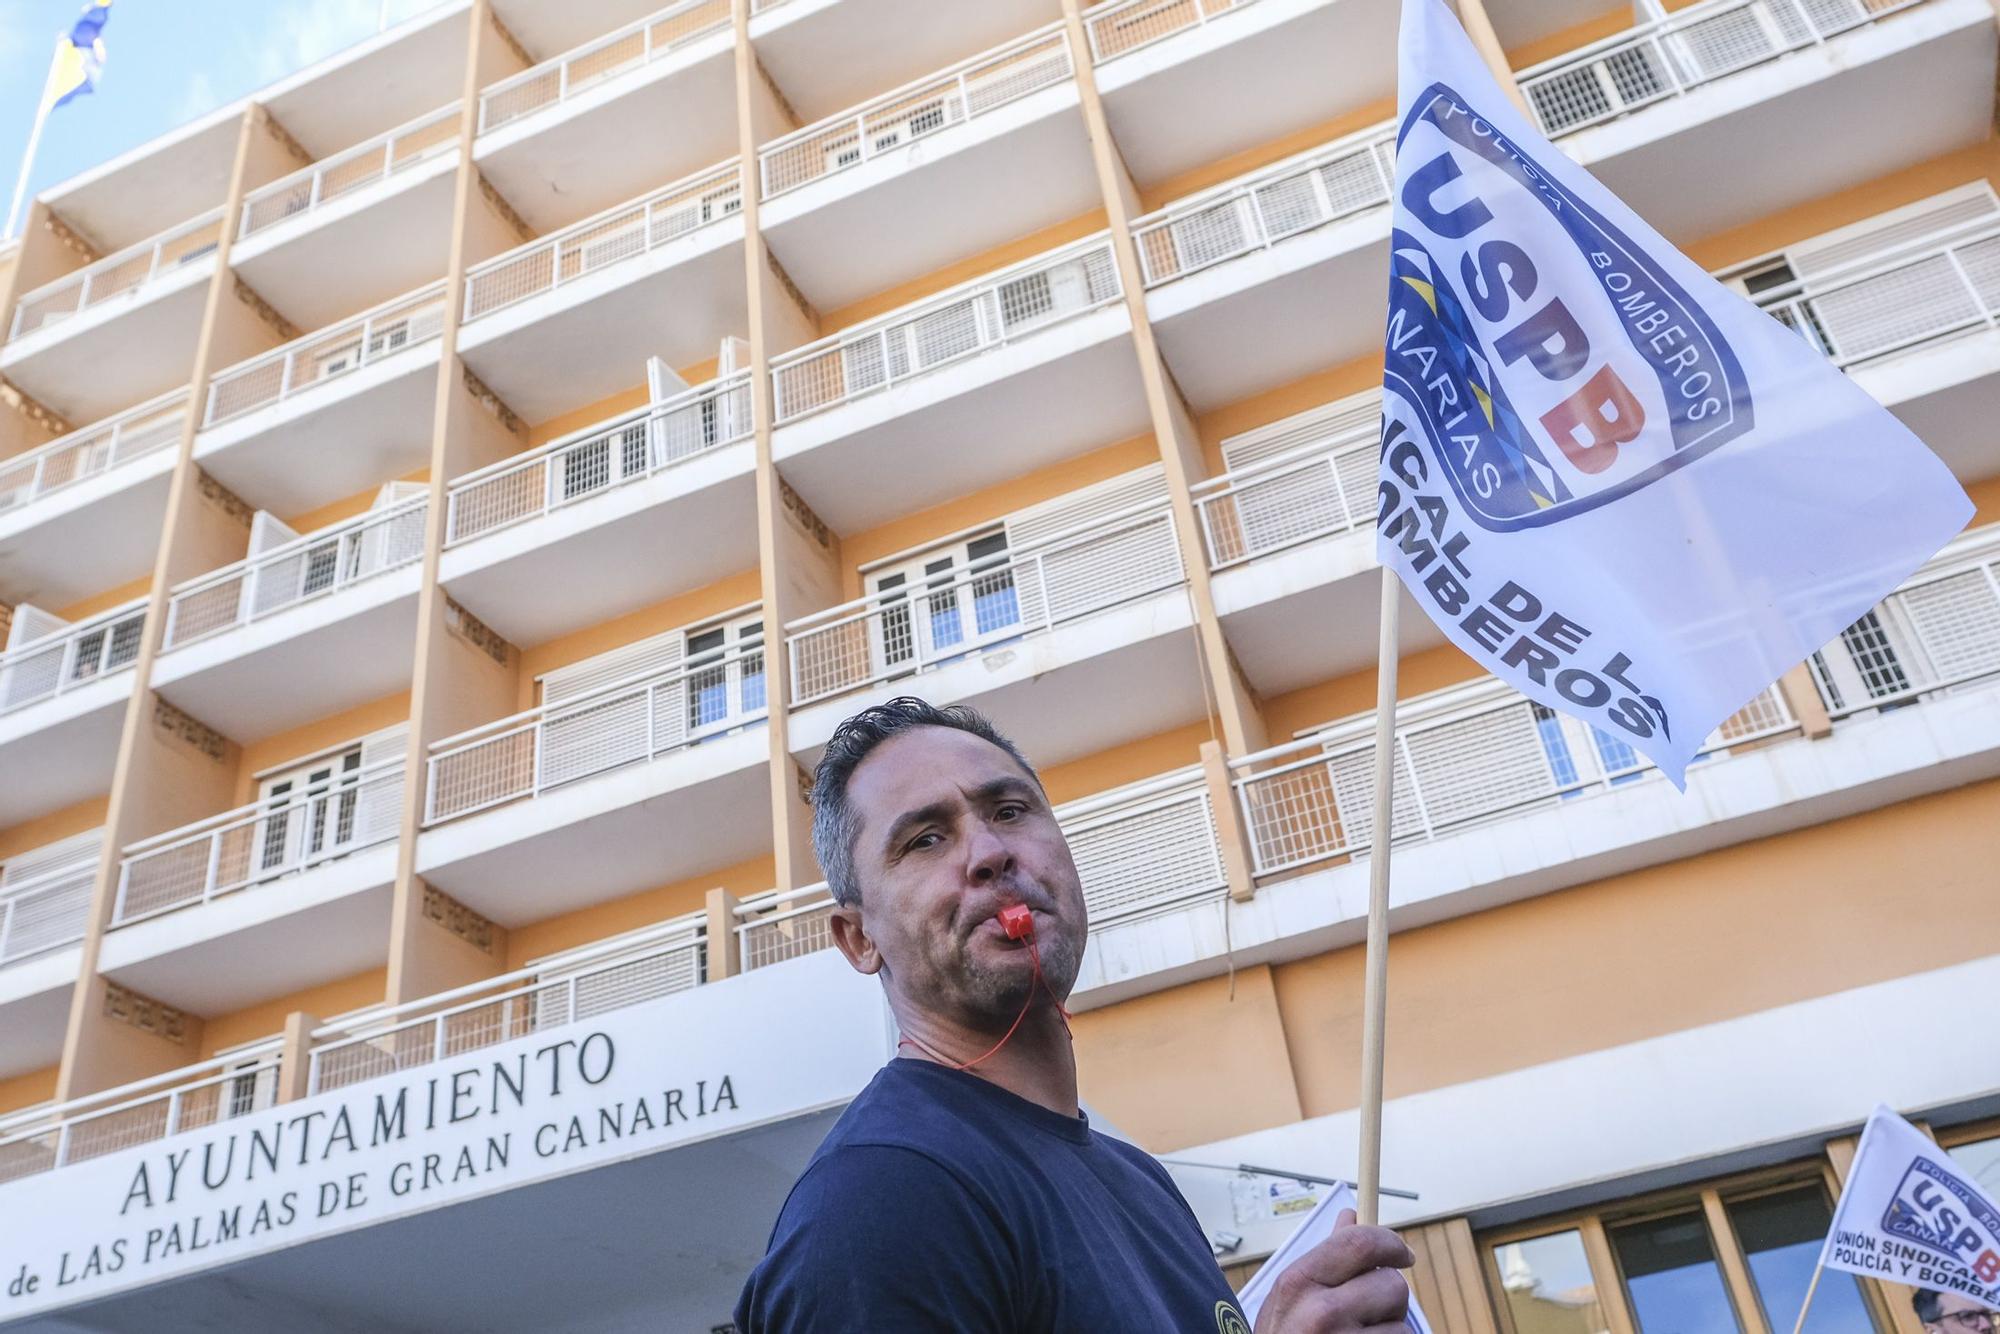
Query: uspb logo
x=1936, y=1209
x=1554, y=365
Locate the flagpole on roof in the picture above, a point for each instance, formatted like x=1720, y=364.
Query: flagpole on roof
x=34, y=144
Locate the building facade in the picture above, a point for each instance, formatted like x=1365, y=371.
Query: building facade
x=448, y=500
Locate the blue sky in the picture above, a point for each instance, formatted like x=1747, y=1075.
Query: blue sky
x=169, y=62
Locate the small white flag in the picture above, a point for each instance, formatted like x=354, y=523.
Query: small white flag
x=1620, y=487
x=1316, y=1227
x=1908, y=1215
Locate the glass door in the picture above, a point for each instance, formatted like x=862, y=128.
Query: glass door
x=309, y=813
x=723, y=689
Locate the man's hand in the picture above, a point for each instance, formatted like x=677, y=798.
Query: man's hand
x=1347, y=1284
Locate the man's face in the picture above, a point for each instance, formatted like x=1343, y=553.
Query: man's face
x=951, y=830
x=1959, y=1314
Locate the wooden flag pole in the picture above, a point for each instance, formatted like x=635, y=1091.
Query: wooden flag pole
x=1375, y=987
x=1811, y=1288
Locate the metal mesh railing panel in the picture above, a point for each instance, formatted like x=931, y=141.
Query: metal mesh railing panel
x=30, y=1155
x=1117, y=29
x=74, y=657
x=1280, y=508
x=766, y=943
x=911, y=114
x=1957, y=621
x=115, y=275
x=482, y=775
x=1149, y=860
x=349, y=171
x=637, y=980
x=325, y=356
x=592, y=66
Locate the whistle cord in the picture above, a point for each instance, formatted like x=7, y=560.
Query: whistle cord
x=1035, y=958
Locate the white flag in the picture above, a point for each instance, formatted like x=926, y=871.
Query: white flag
x=1908, y=1215
x=1316, y=1227
x=1620, y=487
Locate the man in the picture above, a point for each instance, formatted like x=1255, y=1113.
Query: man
x=1953, y=1313
x=965, y=1189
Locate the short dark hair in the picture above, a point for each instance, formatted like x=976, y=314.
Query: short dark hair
x=1929, y=1303
x=834, y=828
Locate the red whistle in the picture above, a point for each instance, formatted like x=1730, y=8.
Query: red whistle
x=1017, y=921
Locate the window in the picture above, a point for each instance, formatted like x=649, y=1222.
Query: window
x=1781, y=1233
x=309, y=812
x=722, y=689
x=1980, y=1157
x=946, y=601
x=1547, y=1288
x=1671, y=1276
x=1867, y=642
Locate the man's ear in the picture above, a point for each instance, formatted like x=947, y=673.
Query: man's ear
x=853, y=940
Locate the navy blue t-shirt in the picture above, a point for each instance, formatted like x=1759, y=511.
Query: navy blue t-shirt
x=940, y=1201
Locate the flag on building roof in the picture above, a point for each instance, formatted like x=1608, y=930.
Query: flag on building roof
x=79, y=55
x=1618, y=486
x=1908, y=1215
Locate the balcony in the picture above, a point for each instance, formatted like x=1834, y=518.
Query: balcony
x=331, y=413
x=1253, y=284
x=123, y=329
x=617, y=517
x=146, y=1111
x=1016, y=370
x=1172, y=73
x=945, y=157
x=581, y=132
x=1498, y=799
x=62, y=706
x=1729, y=89
x=1072, y=645
x=636, y=782
x=631, y=969
x=280, y=895
x=305, y=629
x=829, y=54
x=558, y=322
x=1918, y=326
x=357, y=228
x=83, y=513
x=43, y=916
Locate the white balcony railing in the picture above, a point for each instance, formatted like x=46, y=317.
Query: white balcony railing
x=625, y=722
x=190, y=1098
x=341, y=175
x=260, y=843
x=314, y=565
x=1146, y=848
x=1669, y=56
x=627, y=970
x=1319, y=489
x=774, y=927
x=894, y=633
x=1122, y=26
x=124, y=273
x=45, y=913
x=317, y=358
x=1343, y=178
x=1883, y=304
x=1939, y=632
x=93, y=450
x=960, y=323
x=625, y=450
x=1464, y=755
x=936, y=102
x=611, y=237
x=75, y=656
x=579, y=71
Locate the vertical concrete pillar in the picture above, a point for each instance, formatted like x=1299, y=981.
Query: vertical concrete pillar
x=725, y=953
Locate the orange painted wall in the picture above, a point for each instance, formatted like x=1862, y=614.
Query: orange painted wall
x=268, y=1019
x=105, y=601
x=1804, y=221
x=46, y=829
x=1724, y=934
x=690, y=608
x=314, y=737
x=1597, y=28
x=312, y=520
x=600, y=922
x=1145, y=758
x=1197, y=1063
x=1311, y=391
x=987, y=261
x=616, y=405
x=1176, y=188
x=914, y=531
x=37, y=1086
